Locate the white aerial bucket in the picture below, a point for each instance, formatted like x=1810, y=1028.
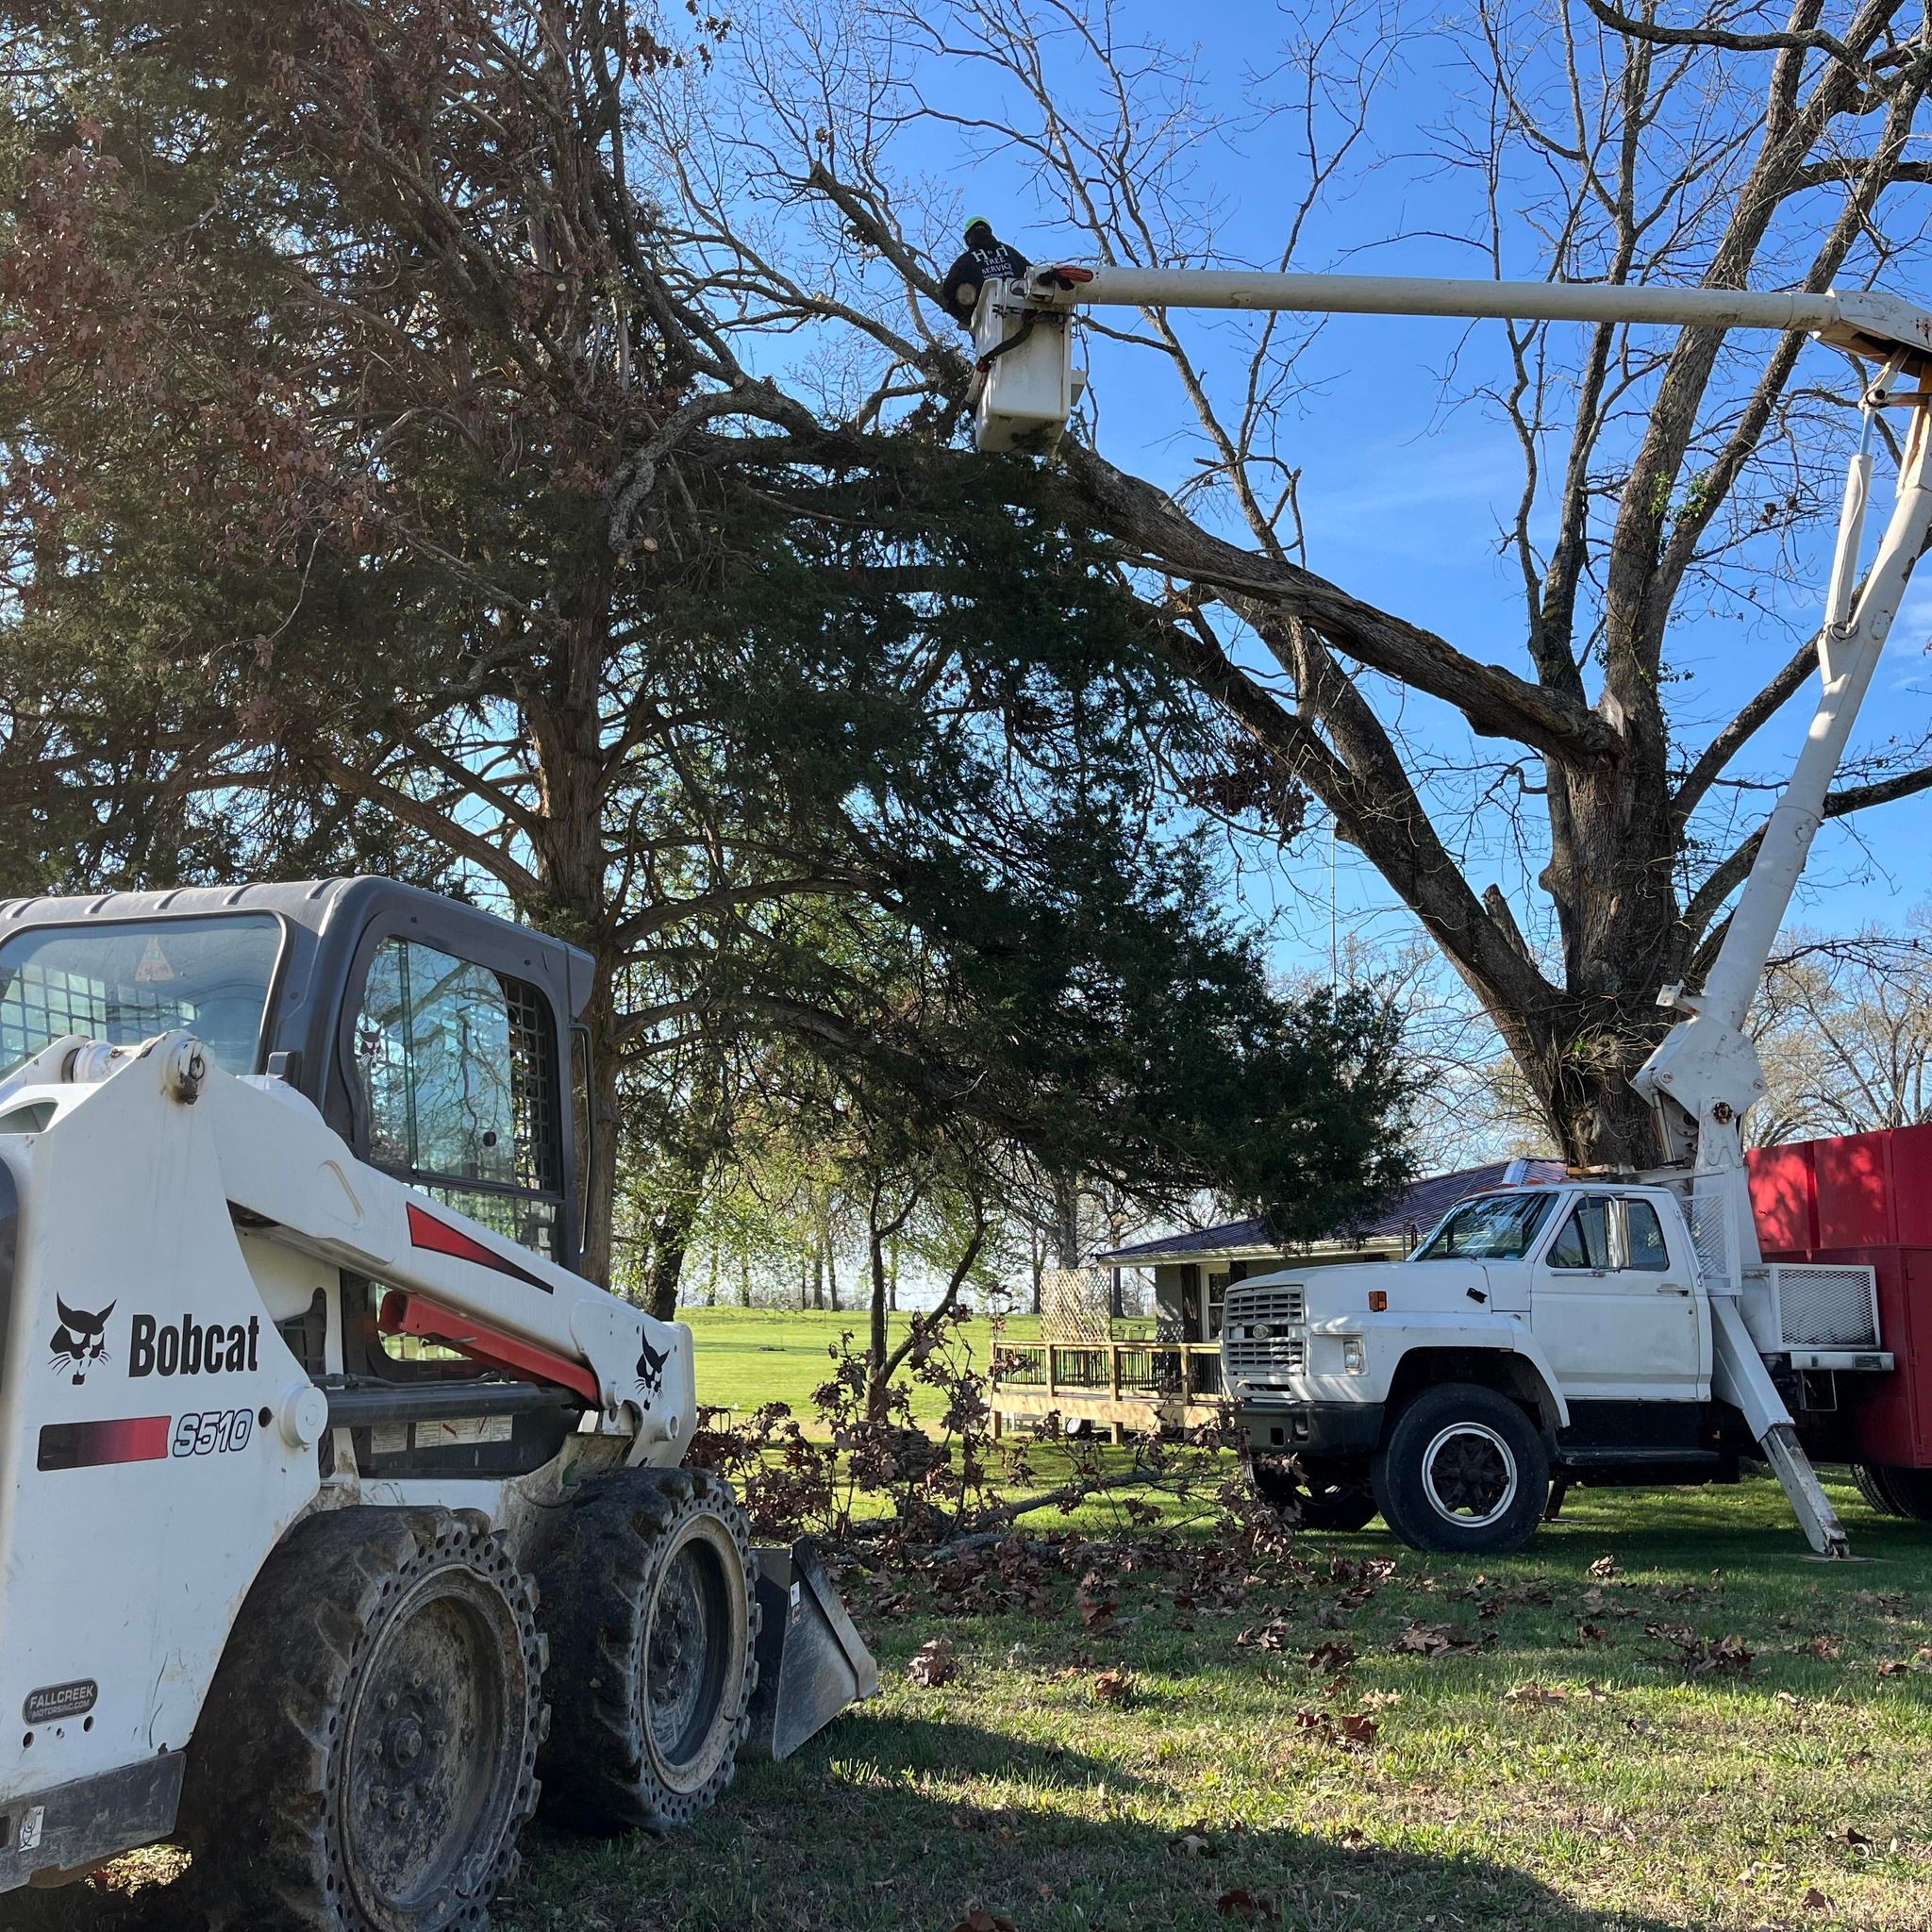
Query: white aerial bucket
x=1026, y=384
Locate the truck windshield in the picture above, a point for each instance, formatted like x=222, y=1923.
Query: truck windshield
x=123, y=981
x=1492, y=1227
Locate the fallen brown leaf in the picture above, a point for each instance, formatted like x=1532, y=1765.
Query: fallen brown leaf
x=1240, y=1903
x=933, y=1664
x=1094, y=1602
x=1434, y=1639
x=1273, y=1635
x=1705, y=1655
x=1114, y=1686
x=1535, y=1693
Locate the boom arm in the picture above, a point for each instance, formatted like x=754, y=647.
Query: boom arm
x=1706, y=1074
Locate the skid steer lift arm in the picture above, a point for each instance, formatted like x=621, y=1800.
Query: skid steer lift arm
x=1704, y=1074
x=286, y=1178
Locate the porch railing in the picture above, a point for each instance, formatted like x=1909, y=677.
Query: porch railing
x=1184, y=1371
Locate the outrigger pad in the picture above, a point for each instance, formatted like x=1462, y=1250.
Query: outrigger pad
x=813, y=1661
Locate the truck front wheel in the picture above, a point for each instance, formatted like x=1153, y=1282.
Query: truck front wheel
x=1463, y=1469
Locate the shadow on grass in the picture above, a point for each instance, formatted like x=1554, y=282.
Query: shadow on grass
x=852, y=1836
x=858, y=1834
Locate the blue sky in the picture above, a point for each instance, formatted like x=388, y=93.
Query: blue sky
x=1404, y=488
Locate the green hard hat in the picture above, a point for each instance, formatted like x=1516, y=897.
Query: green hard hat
x=975, y=222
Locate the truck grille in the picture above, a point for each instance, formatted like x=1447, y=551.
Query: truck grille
x=1262, y=1334
x=1819, y=1307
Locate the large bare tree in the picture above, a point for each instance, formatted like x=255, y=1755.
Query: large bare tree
x=1664, y=474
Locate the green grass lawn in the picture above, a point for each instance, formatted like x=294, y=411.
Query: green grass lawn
x=1528, y=1743
x=1569, y=1770
x=748, y=1356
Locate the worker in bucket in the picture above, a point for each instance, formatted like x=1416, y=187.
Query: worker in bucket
x=986, y=256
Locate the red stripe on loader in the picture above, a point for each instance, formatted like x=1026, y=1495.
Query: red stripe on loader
x=425, y=1231
x=91, y=1445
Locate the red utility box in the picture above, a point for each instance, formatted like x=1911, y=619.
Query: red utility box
x=1867, y=1199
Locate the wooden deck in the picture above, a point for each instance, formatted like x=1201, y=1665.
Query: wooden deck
x=1142, y=1386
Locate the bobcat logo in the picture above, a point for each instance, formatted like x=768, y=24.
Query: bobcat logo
x=650, y=1370
x=81, y=1339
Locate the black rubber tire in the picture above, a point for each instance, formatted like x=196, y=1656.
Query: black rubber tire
x=605, y=1769
x=378, y=1648
x=1907, y=1491
x=1869, y=1479
x=1457, y=1411
x=1314, y=1498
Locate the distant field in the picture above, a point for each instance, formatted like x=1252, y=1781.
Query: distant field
x=749, y=1356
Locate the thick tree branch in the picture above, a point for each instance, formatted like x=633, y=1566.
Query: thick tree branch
x=1496, y=702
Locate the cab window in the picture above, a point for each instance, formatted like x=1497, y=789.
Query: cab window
x=1491, y=1227
x=1584, y=1241
x=1643, y=1235
x=459, y=1072
x=125, y=981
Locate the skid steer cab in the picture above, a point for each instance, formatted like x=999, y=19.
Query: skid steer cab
x=339, y=1515
x=1541, y=1335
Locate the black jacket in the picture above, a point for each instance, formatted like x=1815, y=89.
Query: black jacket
x=972, y=270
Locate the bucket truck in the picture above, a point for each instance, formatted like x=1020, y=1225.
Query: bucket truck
x=1619, y=1327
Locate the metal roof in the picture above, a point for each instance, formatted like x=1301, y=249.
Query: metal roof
x=1414, y=1211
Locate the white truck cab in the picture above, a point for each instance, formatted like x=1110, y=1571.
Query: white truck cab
x=1541, y=1332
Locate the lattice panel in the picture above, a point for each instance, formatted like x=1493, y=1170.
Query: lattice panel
x=1076, y=1305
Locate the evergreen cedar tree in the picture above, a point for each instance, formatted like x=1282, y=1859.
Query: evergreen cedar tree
x=342, y=534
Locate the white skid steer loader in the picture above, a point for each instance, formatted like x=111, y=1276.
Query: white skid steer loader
x=338, y=1515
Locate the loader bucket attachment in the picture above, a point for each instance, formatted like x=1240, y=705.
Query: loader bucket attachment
x=813, y=1661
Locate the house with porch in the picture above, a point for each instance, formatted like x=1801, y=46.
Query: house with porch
x=1088, y=1373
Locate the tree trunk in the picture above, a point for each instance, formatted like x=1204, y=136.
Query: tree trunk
x=877, y=1343
x=599, y=1160
x=1066, y=1233
x=893, y=1276
x=831, y=1270
x=1576, y=1061
x=683, y=1173
x=671, y=1230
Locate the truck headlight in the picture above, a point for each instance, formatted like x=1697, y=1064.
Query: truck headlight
x=1354, y=1354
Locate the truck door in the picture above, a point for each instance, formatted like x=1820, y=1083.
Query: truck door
x=1613, y=1306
